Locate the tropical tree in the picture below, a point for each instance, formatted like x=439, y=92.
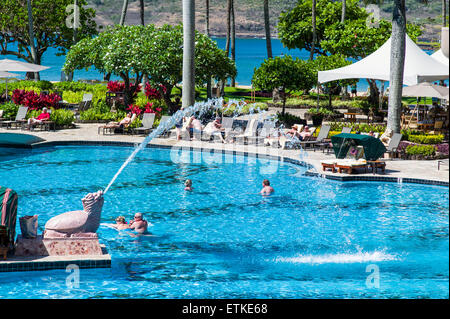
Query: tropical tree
x=295, y=26
x=188, y=98
x=50, y=29
x=207, y=27
x=267, y=29
x=286, y=74
x=444, y=13
x=31, y=34
x=398, y=48
x=233, y=39
x=132, y=51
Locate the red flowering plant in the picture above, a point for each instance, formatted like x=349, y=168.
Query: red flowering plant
x=134, y=109
x=115, y=86
x=34, y=101
x=148, y=108
x=153, y=93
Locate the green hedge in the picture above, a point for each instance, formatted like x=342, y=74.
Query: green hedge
x=426, y=139
x=9, y=110
x=425, y=150
x=62, y=117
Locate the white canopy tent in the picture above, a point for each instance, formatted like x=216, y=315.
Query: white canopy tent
x=419, y=66
x=440, y=57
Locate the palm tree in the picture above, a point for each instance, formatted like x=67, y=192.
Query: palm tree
x=142, y=8
x=344, y=9
x=233, y=39
x=31, y=35
x=314, y=31
x=227, y=44
x=267, y=28
x=188, y=98
x=124, y=12
x=398, y=48
x=207, y=31
x=444, y=13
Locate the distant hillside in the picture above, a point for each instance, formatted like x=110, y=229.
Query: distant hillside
x=249, y=13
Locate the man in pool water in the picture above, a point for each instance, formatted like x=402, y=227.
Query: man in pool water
x=139, y=224
x=267, y=189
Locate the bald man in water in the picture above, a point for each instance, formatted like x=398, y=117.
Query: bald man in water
x=139, y=224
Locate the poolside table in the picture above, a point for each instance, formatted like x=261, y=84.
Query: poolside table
x=375, y=165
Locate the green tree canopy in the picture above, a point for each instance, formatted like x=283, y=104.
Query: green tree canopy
x=295, y=26
x=50, y=29
x=132, y=51
x=286, y=74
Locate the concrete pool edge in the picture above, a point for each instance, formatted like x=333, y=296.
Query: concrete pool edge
x=281, y=158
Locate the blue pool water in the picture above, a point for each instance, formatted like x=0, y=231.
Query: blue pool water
x=313, y=238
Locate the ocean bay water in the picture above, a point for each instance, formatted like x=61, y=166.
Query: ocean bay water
x=250, y=53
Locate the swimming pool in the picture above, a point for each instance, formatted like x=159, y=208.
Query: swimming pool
x=313, y=238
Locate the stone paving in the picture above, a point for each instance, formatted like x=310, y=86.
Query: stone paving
x=399, y=169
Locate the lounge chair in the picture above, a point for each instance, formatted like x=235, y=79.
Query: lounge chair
x=346, y=129
x=288, y=143
x=392, y=147
x=348, y=165
x=147, y=124
x=45, y=125
x=250, y=131
x=442, y=162
x=19, y=120
x=113, y=127
x=320, y=140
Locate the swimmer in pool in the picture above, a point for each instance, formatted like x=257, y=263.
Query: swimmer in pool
x=267, y=189
x=188, y=185
x=139, y=224
x=120, y=223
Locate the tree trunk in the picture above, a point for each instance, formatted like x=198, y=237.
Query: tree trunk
x=31, y=35
x=398, y=44
x=444, y=13
x=124, y=12
x=233, y=39
x=227, y=45
x=314, y=31
x=344, y=9
x=142, y=9
x=188, y=97
x=267, y=28
x=207, y=27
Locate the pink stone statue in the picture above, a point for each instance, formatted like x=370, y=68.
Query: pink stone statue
x=80, y=223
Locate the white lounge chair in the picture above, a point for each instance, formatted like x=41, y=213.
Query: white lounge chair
x=147, y=124
x=250, y=131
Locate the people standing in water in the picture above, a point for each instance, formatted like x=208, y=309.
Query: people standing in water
x=121, y=223
x=267, y=189
x=139, y=224
x=188, y=185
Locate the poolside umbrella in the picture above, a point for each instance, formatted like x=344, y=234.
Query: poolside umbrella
x=20, y=66
x=426, y=89
x=373, y=147
x=6, y=75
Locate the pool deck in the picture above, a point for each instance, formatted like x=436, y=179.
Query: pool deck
x=396, y=170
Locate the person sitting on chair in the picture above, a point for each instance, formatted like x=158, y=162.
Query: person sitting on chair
x=44, y=116
x=305, y=133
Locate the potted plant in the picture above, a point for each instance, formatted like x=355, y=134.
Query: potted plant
x=318, y=114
